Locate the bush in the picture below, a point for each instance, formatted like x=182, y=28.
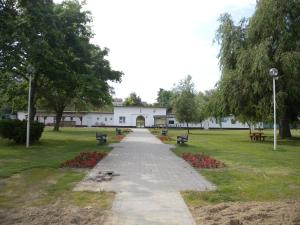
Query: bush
x=16, y=130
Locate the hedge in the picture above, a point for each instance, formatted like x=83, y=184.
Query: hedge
x=16, y=130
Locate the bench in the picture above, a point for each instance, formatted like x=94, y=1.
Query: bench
x=102, y=138
x=182, y=139
x=164, y=132
x=118, y=131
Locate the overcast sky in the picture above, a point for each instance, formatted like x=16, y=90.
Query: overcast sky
x=156, y=43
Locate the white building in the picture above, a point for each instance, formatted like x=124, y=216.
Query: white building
x=131, y=116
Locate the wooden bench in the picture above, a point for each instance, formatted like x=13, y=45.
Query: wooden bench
x=118, y=131
x=182, y=139
x=102, y=138
x=164, y=132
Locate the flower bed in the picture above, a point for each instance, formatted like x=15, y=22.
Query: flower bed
x=118, y=138
x=165, y=138
x=84, y=160
x=202, y=161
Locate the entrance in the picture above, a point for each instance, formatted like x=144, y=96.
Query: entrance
x=140, y=121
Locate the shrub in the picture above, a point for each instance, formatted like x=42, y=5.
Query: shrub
x=16, y=130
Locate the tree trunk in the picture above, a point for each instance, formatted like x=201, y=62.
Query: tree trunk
x=187, y=124
x=284, y=128
x=33, y=101
x=59, y=114
x=249, y=125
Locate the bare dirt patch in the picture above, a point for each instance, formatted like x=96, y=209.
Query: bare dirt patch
x=54, y=215
x=250, y=213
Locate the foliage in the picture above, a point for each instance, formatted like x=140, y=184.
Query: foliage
x=185, y=101
x=133, y=100
x=84, y=160
x=54, y=40
x=202, y=105
x=270, y=38
x=16, y=130
x=165, y=99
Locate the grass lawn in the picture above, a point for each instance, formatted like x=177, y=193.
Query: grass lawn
x=254, y=172
x=30, y=177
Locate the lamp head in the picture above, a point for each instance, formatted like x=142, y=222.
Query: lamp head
x=273, y=72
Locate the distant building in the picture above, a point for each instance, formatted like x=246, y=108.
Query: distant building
x=132, y=116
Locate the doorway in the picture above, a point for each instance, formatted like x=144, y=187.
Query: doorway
x=140, y=121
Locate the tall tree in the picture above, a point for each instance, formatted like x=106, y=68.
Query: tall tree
x=27, y=39
x=248, y=50
x=85, y=71
x=201, y=104
x=185, y=102
x=133, y=100
x=165, y=98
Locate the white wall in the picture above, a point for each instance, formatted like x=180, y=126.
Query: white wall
x=98, y=119
x=131, y=113
x=227, y=123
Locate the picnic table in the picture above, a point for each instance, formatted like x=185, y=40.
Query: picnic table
x=102, y=138
x=257, y=136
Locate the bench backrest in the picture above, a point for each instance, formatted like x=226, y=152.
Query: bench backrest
x=98, y=134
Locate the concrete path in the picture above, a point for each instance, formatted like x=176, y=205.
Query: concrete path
x=151, y=177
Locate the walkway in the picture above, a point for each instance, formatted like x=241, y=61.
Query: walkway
x=151, y=177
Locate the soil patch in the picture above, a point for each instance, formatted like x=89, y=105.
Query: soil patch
x=47, y=215
x=250, y=213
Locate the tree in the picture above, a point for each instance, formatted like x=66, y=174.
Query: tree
x=83, y=77
x=133, y=100
x=201, y=104
x=164, y=99
x=270, y=38
x=55, y=40
x=185, y=102
x=28, y=37
x=216, y=105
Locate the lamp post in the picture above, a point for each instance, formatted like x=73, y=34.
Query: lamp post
x=30, y=71
x=274, y=74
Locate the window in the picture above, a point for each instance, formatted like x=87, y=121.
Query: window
x=111, y=118
x=105, y=119
x=122, y=119
x=171, y=121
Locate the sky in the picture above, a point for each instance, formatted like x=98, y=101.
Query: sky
x=156, y=43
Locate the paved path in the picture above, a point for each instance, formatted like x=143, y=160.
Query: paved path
x=151, y=177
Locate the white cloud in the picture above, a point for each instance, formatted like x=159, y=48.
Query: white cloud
x=156, y=43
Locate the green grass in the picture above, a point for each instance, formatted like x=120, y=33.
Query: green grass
x=32, y=177
x=51, y=151
x=254, y=172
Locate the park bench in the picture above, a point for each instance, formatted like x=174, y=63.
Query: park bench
x=118, y=131
x=164, y=132
x=102, y=138
x=182, y=139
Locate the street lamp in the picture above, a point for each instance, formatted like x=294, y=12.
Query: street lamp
x=30, y=71
x=274, y=74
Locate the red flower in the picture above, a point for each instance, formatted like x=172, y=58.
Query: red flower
x=84, y=160
x=202, y=161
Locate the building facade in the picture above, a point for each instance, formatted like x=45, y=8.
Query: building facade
x=132, y=116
